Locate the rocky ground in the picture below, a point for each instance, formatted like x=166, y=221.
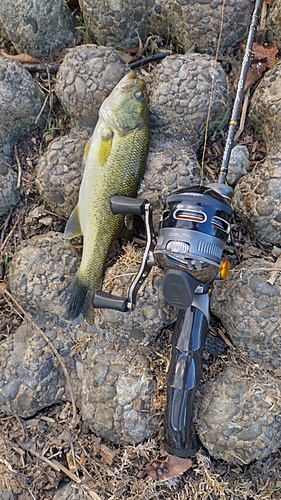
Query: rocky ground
x=72, y=418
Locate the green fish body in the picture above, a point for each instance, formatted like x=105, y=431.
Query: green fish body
x=115, y=158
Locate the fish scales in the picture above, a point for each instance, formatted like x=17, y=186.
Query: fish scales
x=115, y=158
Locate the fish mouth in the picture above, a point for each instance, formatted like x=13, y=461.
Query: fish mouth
x=130, y=82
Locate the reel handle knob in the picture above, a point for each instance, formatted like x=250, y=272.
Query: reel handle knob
x=108, y=301
x=126, y=205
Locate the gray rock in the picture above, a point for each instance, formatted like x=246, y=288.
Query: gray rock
x=41, y=273
x=60, y=171
x=85, y=78
x=113, y=384
x=30, y=376
x=36, y=28
x=239, y=414
x=257, y=194
x=118, y=389
x=238, y=163
x=9, y=195
x=273, y=22
x=179, y=95
x=117, y=24
x=69, y=492
x=249, y=308
x=20, y=103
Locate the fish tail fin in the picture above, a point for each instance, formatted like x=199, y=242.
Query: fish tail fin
x=78, y=297
x=88, y=309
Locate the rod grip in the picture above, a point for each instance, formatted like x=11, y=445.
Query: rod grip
x=184, y=375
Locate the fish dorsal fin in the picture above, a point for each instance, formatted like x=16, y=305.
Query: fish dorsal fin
x=106, y=144
x=73, y=227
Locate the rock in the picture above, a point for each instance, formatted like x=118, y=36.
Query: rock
x=249, y=308
x=85, y=78
x=239, y=414
x=257, y=195
x=113, y=384
x=42, y=272
x=118, y=388
x=30, y=376
x=20, y=103
x=274, y=22
x=119, y=25
x=9, y=195
x=179, y=96
x=36, y=28
x=238, y=163
x=60, y=171
x=69, y=492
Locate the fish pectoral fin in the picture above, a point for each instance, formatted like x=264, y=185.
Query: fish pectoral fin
x=73, y=226
x=105, y=145
x=87, y=149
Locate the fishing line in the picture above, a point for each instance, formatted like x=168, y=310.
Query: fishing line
x=211, y=94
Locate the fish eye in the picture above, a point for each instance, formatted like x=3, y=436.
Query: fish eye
x=139, y=95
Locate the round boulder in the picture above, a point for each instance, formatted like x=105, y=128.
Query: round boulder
x=257, y=195
x=20, y=103
x=41, y=273
x=60, y=171
x=36, y=28
x=239, y=414
x=85, y=78
x=249, y=308
x=118, y=24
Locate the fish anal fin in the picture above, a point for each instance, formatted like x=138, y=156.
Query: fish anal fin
x=73, y=226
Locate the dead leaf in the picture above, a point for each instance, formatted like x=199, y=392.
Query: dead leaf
x=3, y=286
x=273, y=275
x=263, y=58
x=22, y=58
x=107, y=454
x=260, y=52
x=269, y=2
x=173, y=466
x=127, y=58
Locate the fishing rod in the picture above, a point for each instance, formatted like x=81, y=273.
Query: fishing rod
x=193, y=231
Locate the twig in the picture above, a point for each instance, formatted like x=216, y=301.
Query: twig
x=274, y=273
x=19, y=167
x=263, y=16
x=6, y=224
x=53, y=349
x=9, y=235
x=42, y=109
x=73, y=454
x=57, y=466
x=243, y=114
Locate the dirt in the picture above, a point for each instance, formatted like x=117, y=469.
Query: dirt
x=101, y=469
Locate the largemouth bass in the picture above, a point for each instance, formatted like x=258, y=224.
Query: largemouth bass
x=115, y=158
